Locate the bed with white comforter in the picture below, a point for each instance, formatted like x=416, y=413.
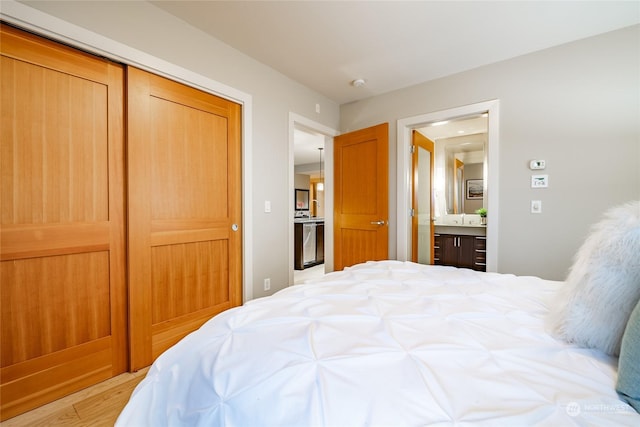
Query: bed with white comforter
x=384, y=344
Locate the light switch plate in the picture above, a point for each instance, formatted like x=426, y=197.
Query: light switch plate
x=536, y=206
x=267, y=206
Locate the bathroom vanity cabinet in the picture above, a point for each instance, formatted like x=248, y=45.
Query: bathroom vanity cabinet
x=460, y=250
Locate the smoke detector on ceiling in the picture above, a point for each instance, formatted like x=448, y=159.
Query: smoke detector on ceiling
x=358, y=83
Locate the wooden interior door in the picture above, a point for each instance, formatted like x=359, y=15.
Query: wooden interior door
x=185, y=235
x=361, y=205
x=422, y=227
x=63, y=294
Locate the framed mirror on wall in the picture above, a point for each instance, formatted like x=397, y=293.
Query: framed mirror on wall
x=302, y=200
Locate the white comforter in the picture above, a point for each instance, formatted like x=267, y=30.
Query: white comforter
x=386, y=343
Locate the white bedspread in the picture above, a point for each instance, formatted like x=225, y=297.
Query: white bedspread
x=384, y=344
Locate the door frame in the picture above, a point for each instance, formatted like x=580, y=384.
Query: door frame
x=38, y=22
x=296, y=120
x=403, y=141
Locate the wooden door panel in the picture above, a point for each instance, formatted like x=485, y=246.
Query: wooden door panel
x=466, y=247
x=65, y=304
x=62, y=245
x=359, y=172
x=448, y=250
x=185, y=194
x=190, y=284
x=201, y=264
x=183, y=158
x=358, y=246
x=361, y=202
x=63, y=182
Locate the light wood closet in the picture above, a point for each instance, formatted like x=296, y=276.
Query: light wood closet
x=120, y=192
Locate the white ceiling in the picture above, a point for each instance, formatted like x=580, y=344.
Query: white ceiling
x=394, y=44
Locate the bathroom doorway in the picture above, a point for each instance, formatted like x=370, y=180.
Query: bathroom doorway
x=405, y=128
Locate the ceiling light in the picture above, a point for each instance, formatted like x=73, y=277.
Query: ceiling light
x=358, y=83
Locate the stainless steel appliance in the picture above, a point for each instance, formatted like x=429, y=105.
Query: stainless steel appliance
x=309, y=245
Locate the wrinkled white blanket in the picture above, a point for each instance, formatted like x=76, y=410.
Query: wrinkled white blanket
x=384, y=344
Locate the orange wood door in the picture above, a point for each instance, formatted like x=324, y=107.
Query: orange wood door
x=361, y=205
x=185, y=253
x=63, y=309
x=422, y=203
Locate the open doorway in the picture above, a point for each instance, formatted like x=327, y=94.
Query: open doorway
x=311, y=198
x=457, y=187
x=490, y=174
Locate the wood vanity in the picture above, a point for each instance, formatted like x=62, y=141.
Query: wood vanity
x=460, y=246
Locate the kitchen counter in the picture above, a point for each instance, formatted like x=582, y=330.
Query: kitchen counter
x=307, y=220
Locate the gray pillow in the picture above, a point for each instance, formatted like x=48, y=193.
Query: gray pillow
x=628, y=386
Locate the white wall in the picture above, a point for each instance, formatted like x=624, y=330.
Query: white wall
x=150, y=30
x=575, y=106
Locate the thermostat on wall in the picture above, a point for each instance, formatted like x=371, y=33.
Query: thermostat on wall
x=537, y=164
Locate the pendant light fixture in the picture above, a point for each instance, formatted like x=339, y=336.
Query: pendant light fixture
x=320, y=184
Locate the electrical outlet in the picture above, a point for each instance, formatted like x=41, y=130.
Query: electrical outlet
x=267, y=284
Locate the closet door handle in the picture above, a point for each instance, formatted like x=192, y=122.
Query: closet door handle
x=381, y=222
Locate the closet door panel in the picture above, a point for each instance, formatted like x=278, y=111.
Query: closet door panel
x=62, y=248
x=185, y=193
x=189, y=150
x=72, y=290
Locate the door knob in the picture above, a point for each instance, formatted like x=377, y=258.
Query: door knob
x=377, y=222
x=234, y=227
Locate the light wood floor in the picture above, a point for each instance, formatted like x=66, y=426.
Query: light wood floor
x=99, y=405
x=300, y=276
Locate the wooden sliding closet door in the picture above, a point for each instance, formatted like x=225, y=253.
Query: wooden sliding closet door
x=184, y=151
x=62, y=290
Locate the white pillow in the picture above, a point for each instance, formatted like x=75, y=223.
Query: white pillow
x=603, y=285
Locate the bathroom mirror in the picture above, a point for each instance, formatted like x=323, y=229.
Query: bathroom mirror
x=460, y=165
